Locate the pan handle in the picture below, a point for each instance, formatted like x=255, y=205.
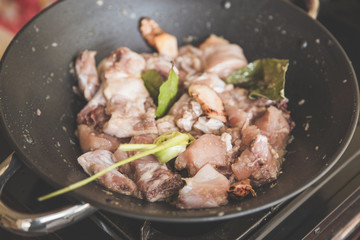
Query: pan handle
x=35, y=224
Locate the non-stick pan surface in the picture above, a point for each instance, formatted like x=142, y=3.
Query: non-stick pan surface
x=38, y=105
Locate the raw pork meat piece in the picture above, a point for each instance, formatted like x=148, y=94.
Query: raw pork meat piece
x=91, y=140
x=94, y=162
x=208, y=149
x=207, y=189
x=275, y=125
x=155, y=181
x=86, y=73
x=221, y=57
x=259, y=162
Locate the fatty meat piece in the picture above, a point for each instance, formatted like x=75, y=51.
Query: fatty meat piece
x=209, y=79
x=86, y=73
x=96, y=161
x=221, y=57
x=127, y=100
x=123, y=127
x=155, y=181
x=186, y=111
x=121, y=63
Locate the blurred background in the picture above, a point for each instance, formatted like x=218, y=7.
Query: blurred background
x=14, y=14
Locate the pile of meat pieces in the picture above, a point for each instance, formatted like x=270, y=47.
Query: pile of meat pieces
x=239, y=142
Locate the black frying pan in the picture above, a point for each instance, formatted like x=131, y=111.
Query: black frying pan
x=38, y=106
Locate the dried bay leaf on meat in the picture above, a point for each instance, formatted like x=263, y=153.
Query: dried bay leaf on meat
x=262, y=77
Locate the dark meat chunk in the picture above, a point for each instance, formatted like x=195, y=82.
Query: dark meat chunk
x=208, y=188
x=94, y=117
x=93, y=114
x=126, y=168
x=259, y=162
x=241, y=189
x=155, y=181
x=96, y=161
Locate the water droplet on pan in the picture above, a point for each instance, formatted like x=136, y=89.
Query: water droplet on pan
x=303, y=44
x=226, y=4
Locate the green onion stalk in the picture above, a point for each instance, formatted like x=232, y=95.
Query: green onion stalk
x=165, y=148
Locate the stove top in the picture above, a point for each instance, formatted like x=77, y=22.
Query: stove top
x=329, y=208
